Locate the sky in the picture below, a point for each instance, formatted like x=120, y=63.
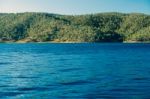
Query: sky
x=75, y=7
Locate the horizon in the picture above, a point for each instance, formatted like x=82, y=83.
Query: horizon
x=66, y=7
x=74, y=14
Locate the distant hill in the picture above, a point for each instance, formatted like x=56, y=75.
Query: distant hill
x=101, y=27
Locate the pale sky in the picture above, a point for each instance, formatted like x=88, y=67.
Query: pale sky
x=75, y=6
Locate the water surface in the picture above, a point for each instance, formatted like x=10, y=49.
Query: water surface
x=75, y=71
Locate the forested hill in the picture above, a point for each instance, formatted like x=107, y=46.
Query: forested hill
x=102, y=27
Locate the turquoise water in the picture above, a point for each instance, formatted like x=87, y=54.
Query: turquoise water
x=75, y=71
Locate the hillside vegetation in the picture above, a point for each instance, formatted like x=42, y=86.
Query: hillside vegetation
x=102, y=27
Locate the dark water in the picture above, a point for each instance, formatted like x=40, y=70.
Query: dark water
x=75, y=71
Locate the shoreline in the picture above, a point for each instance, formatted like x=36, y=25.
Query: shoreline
x=69, y=42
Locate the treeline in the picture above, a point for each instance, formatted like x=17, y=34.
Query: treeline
x=102, y=27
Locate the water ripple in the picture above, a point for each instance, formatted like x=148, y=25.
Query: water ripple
x=9, y=94
x=5, y=63
x=78, y=82
x=32, y=89
x=70, y=69
x=75, y=71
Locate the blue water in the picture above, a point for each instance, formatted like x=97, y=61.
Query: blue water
x=75, y=71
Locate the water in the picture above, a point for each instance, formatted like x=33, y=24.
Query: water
x=75, y=71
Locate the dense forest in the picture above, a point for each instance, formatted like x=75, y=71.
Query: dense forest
x=101, y=27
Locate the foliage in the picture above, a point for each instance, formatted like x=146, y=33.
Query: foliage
x=102, y=27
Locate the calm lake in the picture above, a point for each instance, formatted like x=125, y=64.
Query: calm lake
x=75, y=71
